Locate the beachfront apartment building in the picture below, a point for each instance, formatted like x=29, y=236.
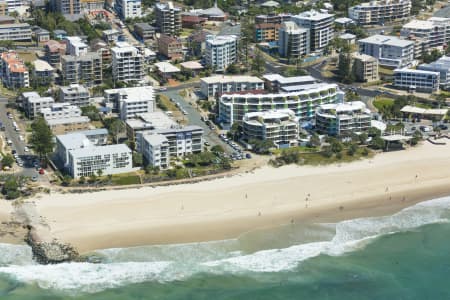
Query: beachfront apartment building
x=13, y=72
x=75, y=94
x=379, y=12
x=20, y=32
x=343, y=119
x=147, y=122
x=85, y=69
x=220, y=51
x=76, y=46
x=416, y=80
x=433, y=35
x=154, y=149
x=365, y=67
x=168, y=18
x=277, y=82
x=390, y=51
x=272, y=18
x=127, y=63
x=33, y=104
x=80, y=157
x=215, y=86
x=130, y=102
x=266, y=32
x=128, y=9
x=278, y=126
x=320, y=27
x=442, y=65
x=64, y=117
x=293, y=41
x=303, y=100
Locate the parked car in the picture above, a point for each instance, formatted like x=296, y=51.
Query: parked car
x=34, y=178
x=26, y=149
x=443, y=127
x=41, y=171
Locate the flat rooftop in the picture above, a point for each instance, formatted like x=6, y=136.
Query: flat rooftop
x=227, y=79
x=386, y=40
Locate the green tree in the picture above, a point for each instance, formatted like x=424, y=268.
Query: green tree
x=336, y=146
x=66, y=180
x=41, y=137
x=82, y=180
x=352, y=149
x=7, y=160
x=377, y=143
x=314, y=141
x=258, y=63
x=99, y=172
x=217, y=149
x=91, y=112
x=11, y=188
x=116, y=127
x=138, y=160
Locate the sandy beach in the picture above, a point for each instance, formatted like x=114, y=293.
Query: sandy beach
x=226, y=208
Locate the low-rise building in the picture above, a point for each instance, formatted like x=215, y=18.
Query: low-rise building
x=278, y=126
x=59, y=34
x=110, y=35
x=343, y=119
x=144, y=31
x=53, y=52
x=64, y=117
x=192, y=21
x=75, y=94
x=148, y=122
x=166, y=70
x=233, y=107
x=20, y=32
x=379, y=12
x=33, y=103
x=365, y=67
x=170, y=47
x=76, y=46
x=215, y=86
x=277, y=82
x=272, y=18
x=130, y=102
x=43, y=72
x=389, y=50
x=80, y=157
x=13, y=71
x=85, y=69
x=293, y=41
x=192, y=67
x=41, y=35
x=442, y=65
x=416, y=80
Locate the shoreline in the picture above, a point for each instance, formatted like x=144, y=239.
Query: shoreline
x=229, y=207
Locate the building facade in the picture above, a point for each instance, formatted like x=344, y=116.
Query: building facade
x=130, y=102
x=13, y=72
x=144, y=31
x=20, y=32
x=128, y=9
x=278, y=126
x=343, y=119
x=85, y=69
x=215, y=86
x=293, y=41
x=67, y=7
x=33, y=104
x=266, y=32
x=168, y=18
x=320, y=27
x=416, y=80
x=221, y=51
x=76, y=46
x=53, y=52
x=75, y=94
x=365, y=67
x=379, y=12
x=170, y=47
x=272, y=18
x=155, y=150
x=127, y=63
x=442, y=65
x=432, y=34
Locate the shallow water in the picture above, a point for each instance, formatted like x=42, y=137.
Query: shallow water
x=403, y=256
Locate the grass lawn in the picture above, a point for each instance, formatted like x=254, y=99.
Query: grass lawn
x=385, y=71
x=382, y=102
x=316, y=159
x=126, y=179
x=27, y=56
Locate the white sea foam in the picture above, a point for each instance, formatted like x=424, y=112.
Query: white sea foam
x=178, y=262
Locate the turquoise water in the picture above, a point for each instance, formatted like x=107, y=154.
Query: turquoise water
x=403, y=256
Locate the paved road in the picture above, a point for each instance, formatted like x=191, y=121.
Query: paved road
x=194, y=118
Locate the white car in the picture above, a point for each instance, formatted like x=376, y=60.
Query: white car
x=21, y=138
x=26, y=149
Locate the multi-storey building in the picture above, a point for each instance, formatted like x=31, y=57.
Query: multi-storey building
x=53, y=52
x=75, y=94
x=155, y=150
x=60, y=111
x=42, y=72
x=170, y=47
x=221, y=51
x=215, y=86
x=13, y=72
x=378, y=12
x=130, y=102
x=182, y=141
x=20, y=32
x=127, y=63
x=266, y=32
x=416, y=80
x=233, y=107
x=433, y=35
x=442, y=65
x=277, y=82
x=76, y=46
x=272, y=18
x=168, y=18
x=320, y=27
x=389, y=50
x=343, y=119
x=147, y=122
x=365, y=67
x=128, y=8
x=144, y=31
x=33, y=103
x=85, y=69
x=278, y=126
x=293, y=41
x=67, y=7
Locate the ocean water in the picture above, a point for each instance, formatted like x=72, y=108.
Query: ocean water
x=402, y=256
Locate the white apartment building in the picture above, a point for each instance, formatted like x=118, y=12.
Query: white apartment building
x=60, y=111
x=130, y=102
x=378, y=12
x=15, y=32
x=278, y=126
x=343, y=119
x=220, y=51
x=432, y=34
x=86, y=69
x=76, y=46
x=416, y=80
x=214, y=86
x=64, y=117
x=389, y=50
x=149, y=121
x=155, y=149
x=75, y=94
x=168, y=18
x=128, y=8
x=277, y=82
x=320, y=27
x=302, y=100
x=293, y=41
x=33, y=103
x=81, y=157
x=127, y=63
x=442, y=65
